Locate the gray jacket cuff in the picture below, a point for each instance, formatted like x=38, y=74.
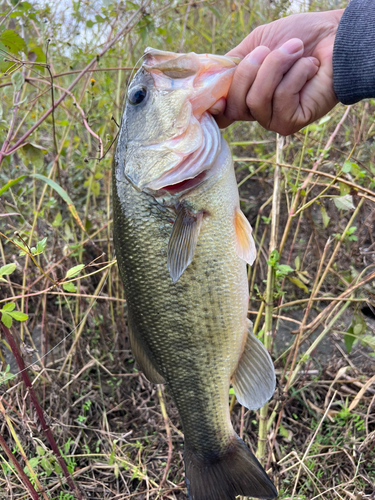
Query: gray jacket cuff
x=354, y=53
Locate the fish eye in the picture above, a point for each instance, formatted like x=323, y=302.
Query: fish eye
x=137, y=95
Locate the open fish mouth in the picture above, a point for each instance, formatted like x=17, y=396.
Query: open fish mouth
x=196, y=167
x=184, y=87
x=184, y=186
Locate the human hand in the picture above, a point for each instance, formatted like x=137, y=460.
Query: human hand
x=285, y=80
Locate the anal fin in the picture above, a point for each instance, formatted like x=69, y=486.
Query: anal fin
x=245, y=245
x=182, y=242
x=254, y=379
x=143, y=359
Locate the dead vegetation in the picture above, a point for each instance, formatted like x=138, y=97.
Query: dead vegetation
x=118, y=435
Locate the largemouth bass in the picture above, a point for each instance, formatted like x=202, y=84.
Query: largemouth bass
x=182, y=244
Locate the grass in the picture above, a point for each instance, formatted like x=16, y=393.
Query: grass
x=62, y=302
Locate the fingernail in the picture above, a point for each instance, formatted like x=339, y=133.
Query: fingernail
x=314, y=60
x=257, y=56
x=219, y=107
x=292, y=46
x=214, y=111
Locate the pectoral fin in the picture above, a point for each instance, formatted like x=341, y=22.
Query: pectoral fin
x=182, y=242
x=254, y=380
x=143, y=359
x=245, y=245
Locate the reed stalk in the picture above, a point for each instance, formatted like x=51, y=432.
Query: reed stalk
x=267, y=338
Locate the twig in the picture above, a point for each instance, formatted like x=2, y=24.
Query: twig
x=184, y=26
x=311, y=442
x=168, y=431
x=303, y=169
x=85, y=122
x=19, y=469
x=39, y=411
x=132, y=21
x=262, y=436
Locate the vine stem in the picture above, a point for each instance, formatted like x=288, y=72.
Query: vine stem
x=262, y=436
x=39, y=411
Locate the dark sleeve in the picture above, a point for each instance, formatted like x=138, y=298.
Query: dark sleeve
x=354, y=53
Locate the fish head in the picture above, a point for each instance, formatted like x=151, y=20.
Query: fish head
x=168, y=141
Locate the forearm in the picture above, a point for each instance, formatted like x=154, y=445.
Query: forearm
x=354, y=53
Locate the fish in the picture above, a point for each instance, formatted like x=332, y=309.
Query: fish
x=182, y=246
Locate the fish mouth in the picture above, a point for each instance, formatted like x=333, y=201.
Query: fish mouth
x=183, y=186
x=184, y=87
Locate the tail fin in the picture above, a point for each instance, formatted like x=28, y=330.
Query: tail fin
x=236, y=472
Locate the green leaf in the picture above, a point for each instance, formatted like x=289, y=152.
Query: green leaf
x=19, y=316
x=283, y=270
x=64, y=195
x=33, y=462
x=58, y=220
x=298, y=283
x=344, y=202
x=69, y=287
x=231, y=392
x=12, y=41
x=344, y=189
x=357, y=330
x=6, y=320
x=9, y=307
x=74, y=271
x=99, y=19
x=347, y=167
x=47, y=466
x=273, y=258
x=7, y=269
x=297, y=262
x=349, y=339
x=41, y=451
x=36, y=54
x=285, y=433
x=90, y=23
x=95, y=188
x=57, y=468
x=325, y=217
x=10, y=183
x=369, y=340
x=17, y=80
x=215, y=11
x=41, y=246
x=33, y=154
x=351, y=230
x=25, y=250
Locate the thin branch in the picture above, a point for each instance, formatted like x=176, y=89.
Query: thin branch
x=39, y=411
x=133, y=20
x=25, y=479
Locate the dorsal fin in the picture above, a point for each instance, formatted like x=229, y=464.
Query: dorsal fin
x=245, y=245
x=182, y=242
x=254, y=379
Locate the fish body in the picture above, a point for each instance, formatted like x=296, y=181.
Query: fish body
x=182, y=244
